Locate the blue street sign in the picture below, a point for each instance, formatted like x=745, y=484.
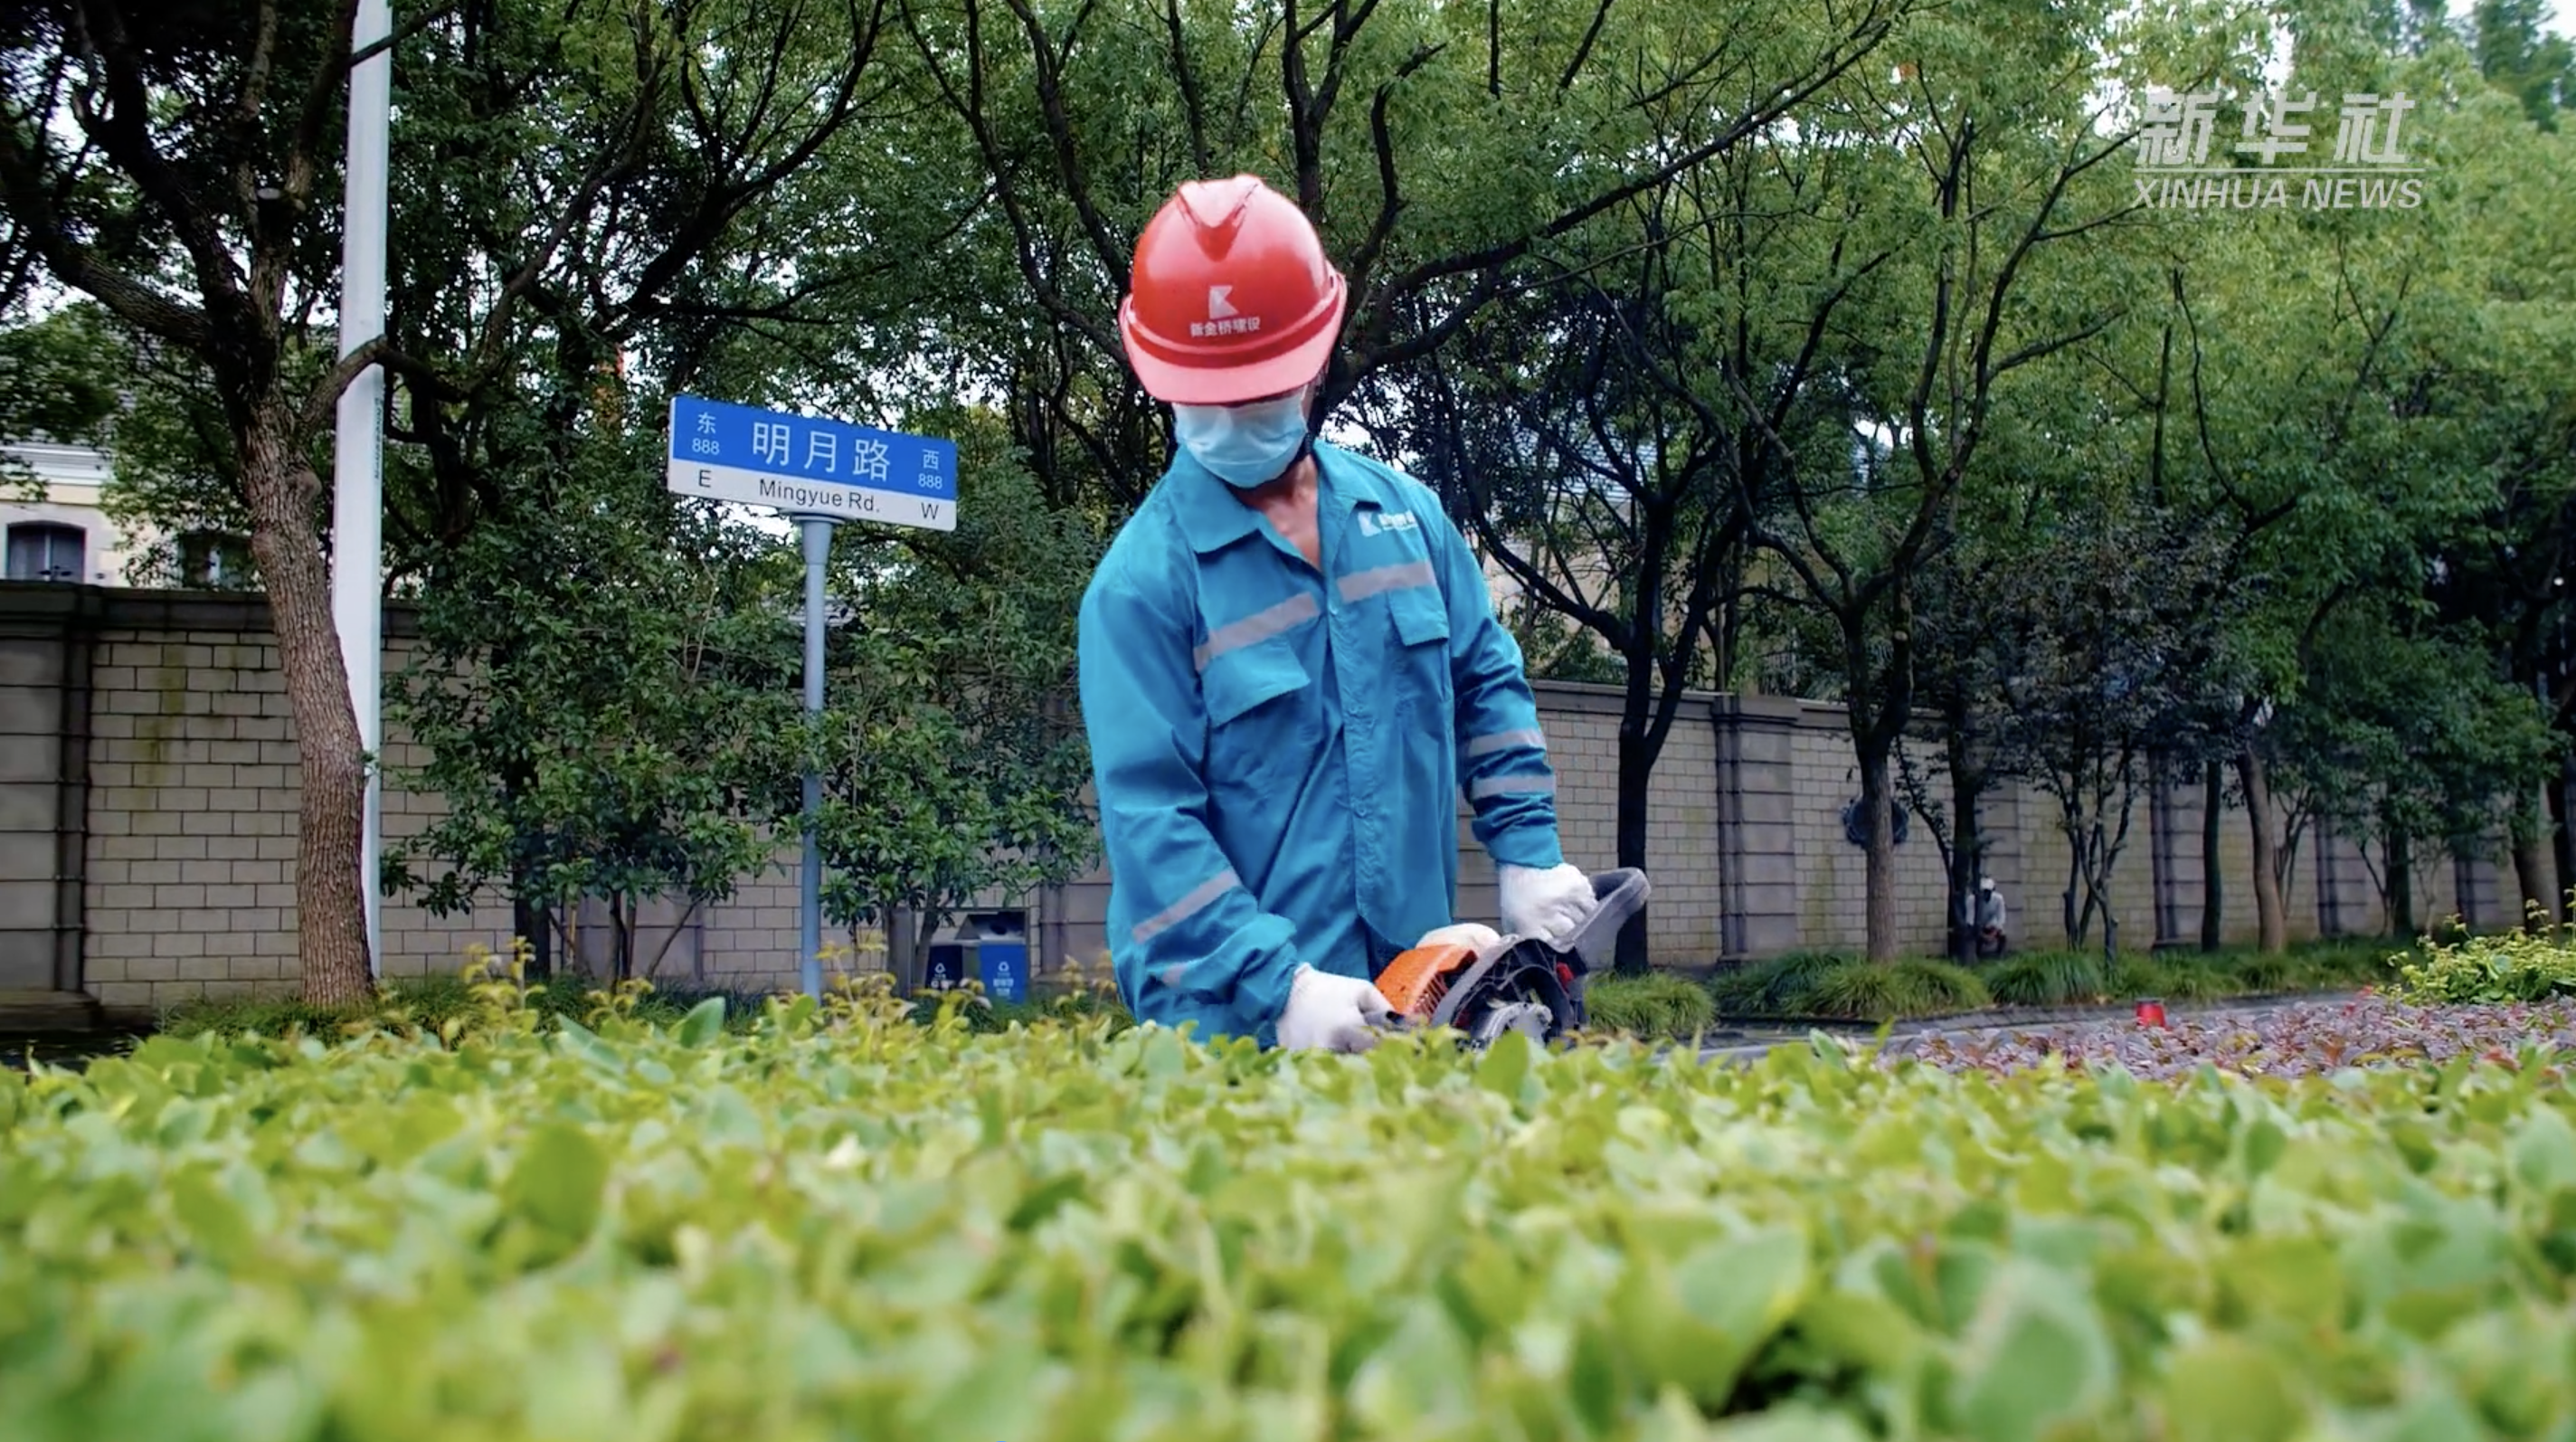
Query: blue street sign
x=806, y=465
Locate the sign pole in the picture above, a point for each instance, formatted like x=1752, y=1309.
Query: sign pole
x=818, y=551
x=357, y=508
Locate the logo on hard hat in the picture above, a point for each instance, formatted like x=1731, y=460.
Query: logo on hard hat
x=1223, y=318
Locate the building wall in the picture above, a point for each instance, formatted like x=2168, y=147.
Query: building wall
x=148, y=817
x=74, y=479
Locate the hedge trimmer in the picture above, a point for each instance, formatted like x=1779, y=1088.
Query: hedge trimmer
x=1518, y=983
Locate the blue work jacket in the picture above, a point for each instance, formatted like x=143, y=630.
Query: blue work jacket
x=1277, y=753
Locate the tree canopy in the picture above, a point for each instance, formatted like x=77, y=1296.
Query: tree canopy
x=1838, y=346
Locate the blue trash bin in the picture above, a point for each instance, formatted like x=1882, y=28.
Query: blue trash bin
x=1004, y=966
x=945, y=969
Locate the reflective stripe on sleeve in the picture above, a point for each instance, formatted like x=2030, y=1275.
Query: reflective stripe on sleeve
x=1512, y=786
x=1201, y=897
x=1506, y=740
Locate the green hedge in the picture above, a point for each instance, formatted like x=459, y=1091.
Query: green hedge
x=443, y=1003
x=1823, y=985
x=835, y=1222
x=1829, y=985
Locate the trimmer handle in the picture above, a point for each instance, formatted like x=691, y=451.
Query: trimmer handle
x=1622, y=894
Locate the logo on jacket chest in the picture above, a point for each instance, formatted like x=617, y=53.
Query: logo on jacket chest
x=1375, y=522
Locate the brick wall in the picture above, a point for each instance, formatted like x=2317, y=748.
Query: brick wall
x=148, y=796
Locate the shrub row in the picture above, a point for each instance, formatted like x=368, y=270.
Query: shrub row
x=826, y=1222
x=1822, y=984
x=2518, y=967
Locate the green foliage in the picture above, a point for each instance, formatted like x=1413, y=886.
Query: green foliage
x=57, y=382
x=1773, y=986
x=2262, y=973
x=1656, y=1005
x=606, y=704
x=436, y=1003
x=1861, y=990
x=2521, y=966
x=953, y=758
x=1824, y=985
x=631, y=1228
x=968, y=1007
x=2170, y=978
x=490, y=992
x=2047, y=978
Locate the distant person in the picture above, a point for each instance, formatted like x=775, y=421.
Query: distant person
x=1991, y=919
x=1289, y=667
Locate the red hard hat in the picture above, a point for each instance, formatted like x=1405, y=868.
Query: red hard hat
x=1233, y=299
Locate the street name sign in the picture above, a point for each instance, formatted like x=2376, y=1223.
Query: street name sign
x=809, y=466
x=821, y=472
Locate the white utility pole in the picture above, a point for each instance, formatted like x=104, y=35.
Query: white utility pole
x=357, y=509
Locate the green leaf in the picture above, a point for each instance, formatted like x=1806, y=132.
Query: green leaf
x=2264, y=1144
x=704, y=1023
x=2224, y=1389
x=216, y=1224
x=559, y=1179
x=1797, y=1422
x=2544, y=1151
x=2035, y=1358
x=1743, y=1289
x=1504, y=1065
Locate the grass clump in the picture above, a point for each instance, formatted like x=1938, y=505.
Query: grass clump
x=1774, y=986
x=2260, y=974
x=2170, y=978
x=1897, y=991
x=1655, y=1005
x=2047, y=978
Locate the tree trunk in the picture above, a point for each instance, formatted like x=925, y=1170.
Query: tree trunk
x=1878, y=808
x=903, y=956
x=2213, y=875
x=1636, y=773
x=2274, y=925
x=2066, y=917
x=2563, y=842
x=621, y=921
x=528, y=920
x=331, y=908
x=2531, y=869
x=1967, y=848
x=2401, y=884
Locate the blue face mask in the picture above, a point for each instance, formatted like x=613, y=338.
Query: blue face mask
x=1244, y=445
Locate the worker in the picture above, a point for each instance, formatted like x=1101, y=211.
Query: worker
x=1289, y=666
x=1991, y=919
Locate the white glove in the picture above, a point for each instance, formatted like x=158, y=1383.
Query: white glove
x=1331, y=1012
x=1549, y=904
x=1474, y=936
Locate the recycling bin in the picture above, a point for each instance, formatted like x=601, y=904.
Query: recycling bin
x=947, y=966
x=1004, y=968
x=1001, y=954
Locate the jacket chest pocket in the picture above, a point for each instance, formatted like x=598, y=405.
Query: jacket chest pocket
x=1255, y=701
x=1420, y=618
x=1419, y=654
